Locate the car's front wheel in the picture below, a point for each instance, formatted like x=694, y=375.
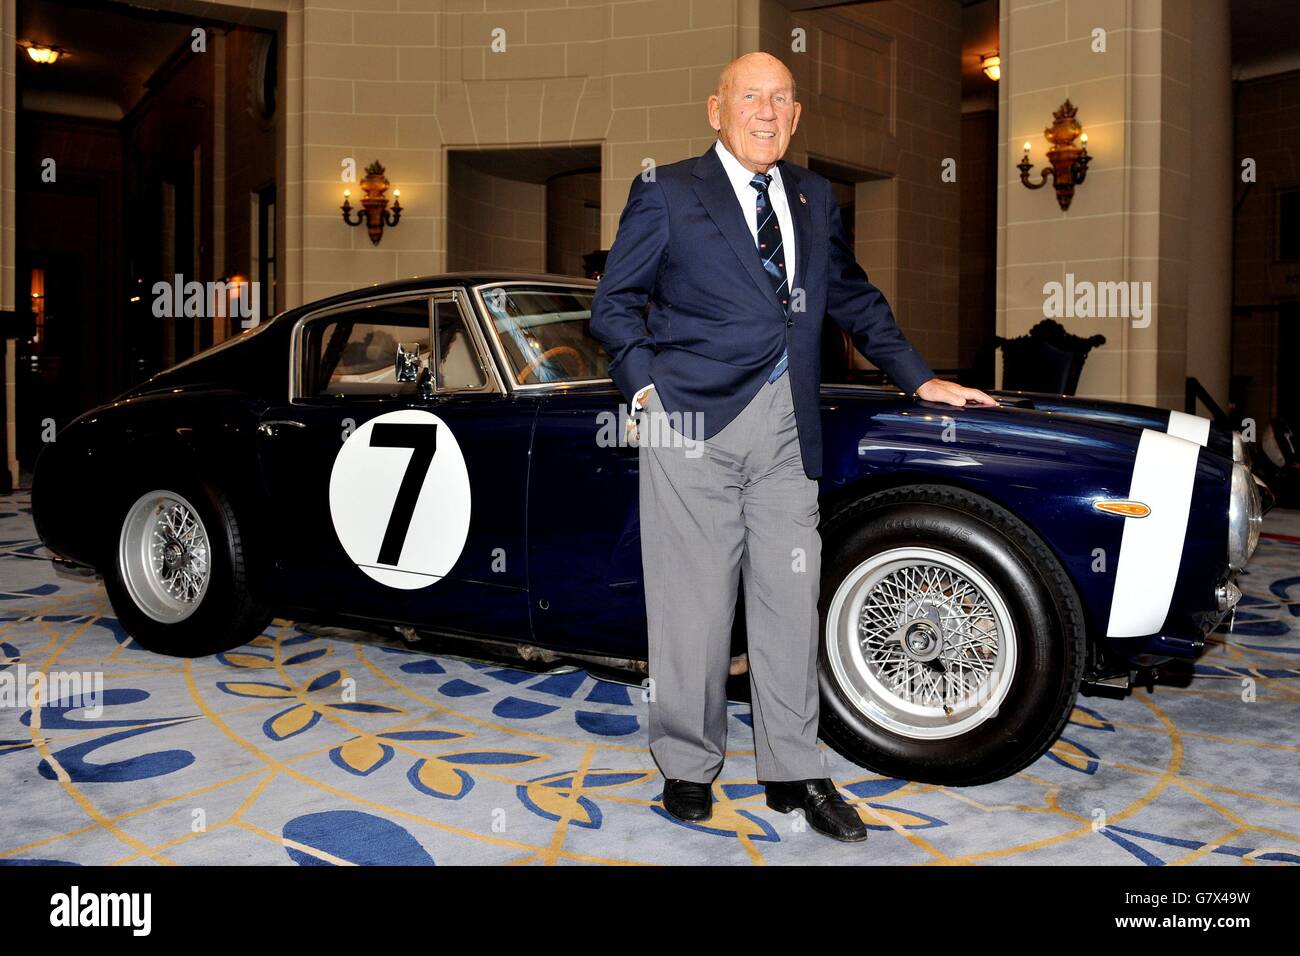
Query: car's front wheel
x=952, y=641
x=176, y=572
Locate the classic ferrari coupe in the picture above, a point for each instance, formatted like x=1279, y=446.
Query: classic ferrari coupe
x=446, y=456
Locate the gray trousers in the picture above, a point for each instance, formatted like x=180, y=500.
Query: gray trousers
x=738, y=503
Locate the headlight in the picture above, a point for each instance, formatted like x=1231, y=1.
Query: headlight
x=1238, y=447
x=1245, y=515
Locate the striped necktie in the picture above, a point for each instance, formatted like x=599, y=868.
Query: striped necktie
x=771, y=251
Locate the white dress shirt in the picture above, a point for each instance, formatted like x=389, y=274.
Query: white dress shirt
x=747, y=196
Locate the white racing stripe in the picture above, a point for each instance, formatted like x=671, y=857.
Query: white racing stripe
x=1151, y=550
x=1192, y=427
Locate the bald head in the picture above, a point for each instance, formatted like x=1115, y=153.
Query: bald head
x=754, y=109
x=767, y=60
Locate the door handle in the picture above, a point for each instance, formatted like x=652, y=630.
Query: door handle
x=272, y=428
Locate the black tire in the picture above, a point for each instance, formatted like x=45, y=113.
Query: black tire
x=227, y=615
x=1049, y=641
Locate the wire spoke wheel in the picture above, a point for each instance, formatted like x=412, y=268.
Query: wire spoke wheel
x=164, y=556
x=921, y=643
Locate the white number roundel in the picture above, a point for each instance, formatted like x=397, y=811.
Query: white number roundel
x=399, y=498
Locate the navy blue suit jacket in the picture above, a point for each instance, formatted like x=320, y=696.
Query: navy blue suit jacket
x=715, y=328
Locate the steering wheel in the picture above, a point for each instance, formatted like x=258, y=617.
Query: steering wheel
x=584, y=366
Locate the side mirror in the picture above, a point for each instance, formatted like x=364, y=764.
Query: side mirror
x=407, y=363
x=409, y=368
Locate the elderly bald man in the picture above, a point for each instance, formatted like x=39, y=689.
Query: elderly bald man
x=741, y=256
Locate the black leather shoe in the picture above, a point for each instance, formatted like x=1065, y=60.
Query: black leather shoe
x=823, y=807
x=688, y=800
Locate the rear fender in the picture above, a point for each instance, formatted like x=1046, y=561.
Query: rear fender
x=84, y=479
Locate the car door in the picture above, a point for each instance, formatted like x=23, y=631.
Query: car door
x=399, y=504
x=584, y=527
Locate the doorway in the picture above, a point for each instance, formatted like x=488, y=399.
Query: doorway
x=136, y=157
x=530, y=209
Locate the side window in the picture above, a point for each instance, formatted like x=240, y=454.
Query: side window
x=353, y=352
x=458, y=366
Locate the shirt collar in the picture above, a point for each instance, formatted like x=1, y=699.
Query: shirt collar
x=738, y=174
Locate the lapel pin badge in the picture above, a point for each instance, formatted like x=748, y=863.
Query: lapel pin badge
x=803, y=199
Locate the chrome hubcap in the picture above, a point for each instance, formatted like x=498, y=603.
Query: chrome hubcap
x=921, y=643
x=163, y=551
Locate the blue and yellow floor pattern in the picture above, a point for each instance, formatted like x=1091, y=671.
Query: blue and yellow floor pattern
x=328, y=748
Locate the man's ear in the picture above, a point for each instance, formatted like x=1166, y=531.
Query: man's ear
x=715, y=113
x=794, y=123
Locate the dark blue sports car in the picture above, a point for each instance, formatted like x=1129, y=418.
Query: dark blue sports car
x=447, y=456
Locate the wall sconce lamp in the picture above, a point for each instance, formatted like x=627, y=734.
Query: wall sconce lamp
x=991, y=64
x=374, y=204
x=1069, y=163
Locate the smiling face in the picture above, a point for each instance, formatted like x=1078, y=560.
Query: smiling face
x=754, y=110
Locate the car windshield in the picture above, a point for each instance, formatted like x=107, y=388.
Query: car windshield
x=545, y=331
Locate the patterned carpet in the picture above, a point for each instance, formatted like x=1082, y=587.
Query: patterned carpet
x=328, y=748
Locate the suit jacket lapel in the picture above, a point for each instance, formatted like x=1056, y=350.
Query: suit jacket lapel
x=714, y=190
x=802, y=220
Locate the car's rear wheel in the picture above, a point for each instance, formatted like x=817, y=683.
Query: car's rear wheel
x=952, y=641
x=176, y=572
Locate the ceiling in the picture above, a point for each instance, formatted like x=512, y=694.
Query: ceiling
x=115, y=47
x=1265, y=40
x=100, y=77
x=1265, y=37
x=530, y=164
x=979, y=35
